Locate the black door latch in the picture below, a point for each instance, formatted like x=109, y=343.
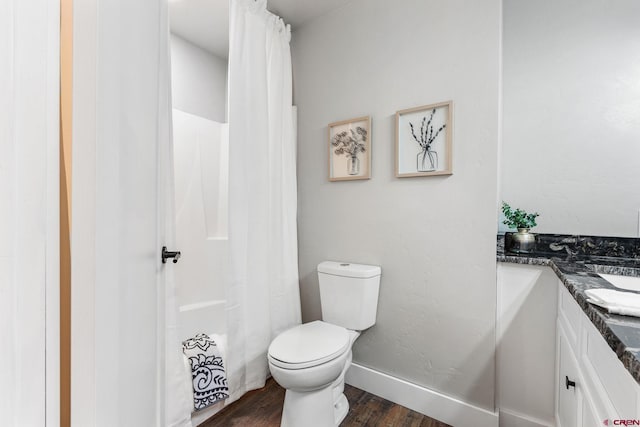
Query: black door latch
x=169, y=254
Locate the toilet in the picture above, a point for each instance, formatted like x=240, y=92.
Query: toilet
x=310, y=360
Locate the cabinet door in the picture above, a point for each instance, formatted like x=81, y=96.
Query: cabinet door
x=569, y=399
x=589, y=418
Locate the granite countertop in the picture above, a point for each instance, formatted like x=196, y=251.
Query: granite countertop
x=577, y=260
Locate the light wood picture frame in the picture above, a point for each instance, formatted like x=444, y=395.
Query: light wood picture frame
x=424, y=140
x=350, y=149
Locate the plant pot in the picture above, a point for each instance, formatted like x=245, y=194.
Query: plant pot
x=427, y=161
x=521, y=242
x=353, y=165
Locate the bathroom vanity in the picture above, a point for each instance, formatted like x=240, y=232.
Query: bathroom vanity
x=583, y=367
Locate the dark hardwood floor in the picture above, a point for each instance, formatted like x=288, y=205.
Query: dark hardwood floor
x=263, y=408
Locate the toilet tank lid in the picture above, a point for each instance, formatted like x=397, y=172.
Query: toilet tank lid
x=348, y=269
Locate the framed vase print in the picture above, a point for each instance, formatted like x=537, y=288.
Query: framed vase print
x=350, y=149
x=424, y=140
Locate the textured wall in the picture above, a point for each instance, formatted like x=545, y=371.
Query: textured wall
x=571, y=122
x=434, y=237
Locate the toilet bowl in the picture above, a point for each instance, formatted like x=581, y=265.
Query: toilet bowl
x=310, y=360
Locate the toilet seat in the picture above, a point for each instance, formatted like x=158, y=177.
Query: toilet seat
x=307, y=345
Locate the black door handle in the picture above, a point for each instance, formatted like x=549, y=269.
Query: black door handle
x=169, y=254
x=568, y=383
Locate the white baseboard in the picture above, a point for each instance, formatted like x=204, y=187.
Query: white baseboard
x=420, y=399
x=514, y=419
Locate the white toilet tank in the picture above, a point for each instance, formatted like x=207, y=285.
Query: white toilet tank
x=349, y=294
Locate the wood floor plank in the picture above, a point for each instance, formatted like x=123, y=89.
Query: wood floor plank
x=263, y=408
x=413, y=419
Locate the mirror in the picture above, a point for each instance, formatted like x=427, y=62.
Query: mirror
x=571, y=114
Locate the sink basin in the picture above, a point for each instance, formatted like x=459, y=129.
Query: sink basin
x=629, y=283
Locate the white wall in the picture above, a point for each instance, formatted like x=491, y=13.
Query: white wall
x=572, y=114
x=29, y=217
x=434, y=237
x=198, y=80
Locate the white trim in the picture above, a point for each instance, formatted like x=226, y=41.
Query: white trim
x=420, y=399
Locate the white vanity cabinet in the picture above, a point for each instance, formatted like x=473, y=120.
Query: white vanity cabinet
x=568, y=393
x=592, y=385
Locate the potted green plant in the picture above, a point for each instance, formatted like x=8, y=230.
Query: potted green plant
x=523, y=241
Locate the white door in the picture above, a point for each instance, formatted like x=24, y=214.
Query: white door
x=121, y=134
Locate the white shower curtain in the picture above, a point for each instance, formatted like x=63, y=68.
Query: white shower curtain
x=262, y=295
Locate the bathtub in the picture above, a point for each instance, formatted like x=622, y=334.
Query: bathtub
x=207, y=317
